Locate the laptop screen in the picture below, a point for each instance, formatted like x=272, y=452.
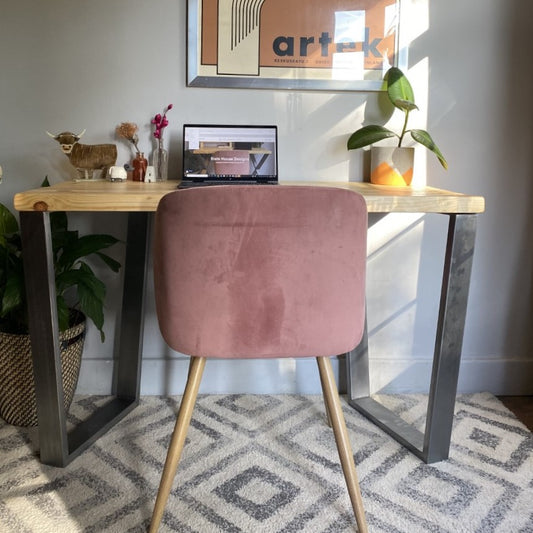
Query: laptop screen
x=217, y=153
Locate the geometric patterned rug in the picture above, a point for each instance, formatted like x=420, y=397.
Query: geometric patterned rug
x=268, y=463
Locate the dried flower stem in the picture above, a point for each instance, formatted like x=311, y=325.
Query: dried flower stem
x=128, y=130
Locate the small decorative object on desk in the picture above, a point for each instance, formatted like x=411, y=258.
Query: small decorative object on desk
x=139, y=167
x=117, y=174
x=160, y=162
x=128, y=131
x=150, y=174
x=394, y=165
x=86, y=158
x=160, y=155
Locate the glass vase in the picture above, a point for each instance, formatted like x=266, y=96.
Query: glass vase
x=139, y=167
x=160, y=163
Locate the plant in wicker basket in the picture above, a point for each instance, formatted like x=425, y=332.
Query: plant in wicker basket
x=80, y=294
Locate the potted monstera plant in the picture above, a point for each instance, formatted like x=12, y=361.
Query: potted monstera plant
x=393, y=165
x=80, y=295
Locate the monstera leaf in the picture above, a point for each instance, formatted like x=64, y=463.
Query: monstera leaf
x=73, y=275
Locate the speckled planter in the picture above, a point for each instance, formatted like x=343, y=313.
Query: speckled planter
x=391, y=165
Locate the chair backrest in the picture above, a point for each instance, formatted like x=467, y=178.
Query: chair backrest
x=260, y=271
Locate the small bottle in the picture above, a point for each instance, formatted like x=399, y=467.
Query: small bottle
x=160, y=162
x=139, y=167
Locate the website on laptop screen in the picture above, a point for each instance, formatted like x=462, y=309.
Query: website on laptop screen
x=229, y=153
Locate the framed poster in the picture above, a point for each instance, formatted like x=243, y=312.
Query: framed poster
x=336, y=45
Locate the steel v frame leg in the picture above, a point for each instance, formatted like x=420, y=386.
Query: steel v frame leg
x=433, y=445
x=57, y=447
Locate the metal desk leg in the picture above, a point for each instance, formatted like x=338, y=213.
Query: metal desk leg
x=127, y=382
x=57, y=448
x=432, y=445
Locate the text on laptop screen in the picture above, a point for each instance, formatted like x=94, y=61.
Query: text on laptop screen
x=229, y=152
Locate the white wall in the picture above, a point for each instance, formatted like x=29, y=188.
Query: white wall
x=70, y=65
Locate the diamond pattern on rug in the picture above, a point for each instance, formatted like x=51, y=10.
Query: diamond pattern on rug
x=485, y=438
x=496, y=443
x=269, y=464
x=439, y=490
x=249, y=406
x=258, y=492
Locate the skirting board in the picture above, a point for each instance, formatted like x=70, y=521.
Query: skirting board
x=290, y=376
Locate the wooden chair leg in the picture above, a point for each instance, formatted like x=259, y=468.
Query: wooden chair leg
x=196, y=369
x=328, y=416
x=331, y=398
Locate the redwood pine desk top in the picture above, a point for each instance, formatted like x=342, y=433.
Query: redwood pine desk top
x=139, y=196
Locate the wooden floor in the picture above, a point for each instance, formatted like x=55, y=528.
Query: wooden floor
x=521, y=406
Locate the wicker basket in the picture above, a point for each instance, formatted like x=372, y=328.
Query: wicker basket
x=17, y=386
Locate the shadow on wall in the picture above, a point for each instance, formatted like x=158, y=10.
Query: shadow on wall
x=487, y=121
x=517, y=128
x=404, y=275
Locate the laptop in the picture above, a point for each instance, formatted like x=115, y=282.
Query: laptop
x=229, y=154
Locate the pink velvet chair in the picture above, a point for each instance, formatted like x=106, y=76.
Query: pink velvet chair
x=260, y=272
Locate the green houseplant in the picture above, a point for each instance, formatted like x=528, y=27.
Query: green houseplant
x=401, y=95
x=80, y=294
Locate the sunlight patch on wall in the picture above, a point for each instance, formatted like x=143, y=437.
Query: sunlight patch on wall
x=414, y=20
x=414, y=23
x=287, y=368
x=394, y=248
x=419, y=77
x=389, y=228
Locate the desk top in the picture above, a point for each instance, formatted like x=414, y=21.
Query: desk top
x=139, y=196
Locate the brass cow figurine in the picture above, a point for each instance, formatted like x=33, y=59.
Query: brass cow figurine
x=86, y=158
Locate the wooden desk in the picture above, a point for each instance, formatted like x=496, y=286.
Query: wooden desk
x=139, y=200
x=134, y=196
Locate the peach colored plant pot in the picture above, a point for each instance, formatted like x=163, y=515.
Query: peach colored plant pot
x=391, y=165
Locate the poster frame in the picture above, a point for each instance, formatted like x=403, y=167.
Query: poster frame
x=196, y=77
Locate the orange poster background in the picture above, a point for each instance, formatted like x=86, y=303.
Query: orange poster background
x=209, y=32
x=303, y=18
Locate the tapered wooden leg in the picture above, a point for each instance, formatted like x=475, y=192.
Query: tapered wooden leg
x=196, y=370
x=331, y=398
x=328, y=416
